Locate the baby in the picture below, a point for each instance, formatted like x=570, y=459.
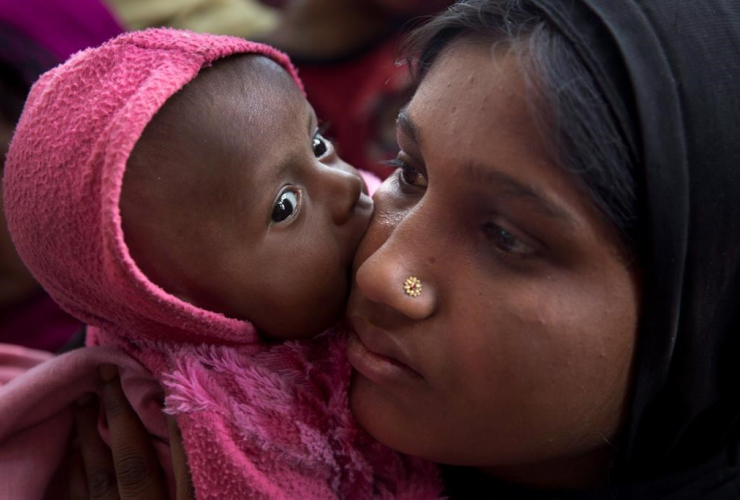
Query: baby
x=173, y=191
x=234, y=202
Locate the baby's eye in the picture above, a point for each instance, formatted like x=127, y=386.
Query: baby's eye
x=320, y=145
x=285, y=206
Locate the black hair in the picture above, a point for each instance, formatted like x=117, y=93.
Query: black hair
x=575, y=119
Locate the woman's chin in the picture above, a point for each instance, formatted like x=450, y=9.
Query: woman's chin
x=387, y=422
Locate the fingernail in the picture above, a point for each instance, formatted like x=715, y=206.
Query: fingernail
x=108, y=372
x=85, y=399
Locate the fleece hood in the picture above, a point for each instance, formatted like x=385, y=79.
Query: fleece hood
x=64, y=173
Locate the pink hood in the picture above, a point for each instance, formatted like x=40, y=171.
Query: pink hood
x=64, y=173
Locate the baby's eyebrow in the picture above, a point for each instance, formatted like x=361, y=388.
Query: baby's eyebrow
x=279, y=172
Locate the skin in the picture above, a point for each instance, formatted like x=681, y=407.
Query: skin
x=200, y=192
x=516, y=357
x=126, y=467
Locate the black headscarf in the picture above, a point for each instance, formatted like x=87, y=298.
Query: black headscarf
x=670, y=70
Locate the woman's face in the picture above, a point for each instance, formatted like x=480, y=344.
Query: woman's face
x=516, y=356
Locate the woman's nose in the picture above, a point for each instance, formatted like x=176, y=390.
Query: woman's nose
x=389, y=277
x=341, y=190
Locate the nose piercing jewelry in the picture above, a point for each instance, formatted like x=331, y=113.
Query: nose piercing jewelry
x=412, y=286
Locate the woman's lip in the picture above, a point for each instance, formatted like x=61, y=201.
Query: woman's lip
x=377, y=364
x=380, y=369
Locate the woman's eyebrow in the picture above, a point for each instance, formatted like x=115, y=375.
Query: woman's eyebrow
x=406, y=125
x=477, y=173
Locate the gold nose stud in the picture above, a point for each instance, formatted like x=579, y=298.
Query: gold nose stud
x=412, y=286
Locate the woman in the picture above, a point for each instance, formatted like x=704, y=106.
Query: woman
x=547, y=263
x=568, y=204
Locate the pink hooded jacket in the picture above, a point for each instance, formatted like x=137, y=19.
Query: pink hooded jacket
x=258, y=420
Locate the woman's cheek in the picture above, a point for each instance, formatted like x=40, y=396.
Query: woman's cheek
x=392, y=204
x=391, y=208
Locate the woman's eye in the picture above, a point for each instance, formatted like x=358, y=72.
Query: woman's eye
x=408, y=174
x=507, y=243
x=319, y=145
x=285, y=206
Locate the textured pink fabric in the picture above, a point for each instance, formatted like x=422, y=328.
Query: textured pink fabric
x=258, y=420
x=34, y=430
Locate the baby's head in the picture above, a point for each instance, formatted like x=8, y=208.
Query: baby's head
x=234, y=202
x=169, y=185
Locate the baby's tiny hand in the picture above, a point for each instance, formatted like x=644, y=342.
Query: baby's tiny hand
x=129, y=468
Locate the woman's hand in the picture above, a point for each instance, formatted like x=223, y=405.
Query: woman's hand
x=129, y=468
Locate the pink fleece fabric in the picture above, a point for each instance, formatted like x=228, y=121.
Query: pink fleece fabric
x=258, y=420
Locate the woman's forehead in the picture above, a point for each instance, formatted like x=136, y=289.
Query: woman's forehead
x=474, y=86
x=473, y=123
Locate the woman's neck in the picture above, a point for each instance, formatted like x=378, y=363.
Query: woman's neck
x=579, y=472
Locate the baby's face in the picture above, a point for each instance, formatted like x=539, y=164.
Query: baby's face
x=233, y=201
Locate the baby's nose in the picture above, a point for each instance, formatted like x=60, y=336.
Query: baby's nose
x=343, y=189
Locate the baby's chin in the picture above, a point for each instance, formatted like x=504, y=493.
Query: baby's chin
x=313, y=320
x=301, y=333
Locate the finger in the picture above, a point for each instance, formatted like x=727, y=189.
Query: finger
x=96, y=456
x=183, y=482
x=76, y=474
x=137, y=468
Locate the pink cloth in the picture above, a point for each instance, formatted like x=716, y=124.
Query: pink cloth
x=16, y=360
x=37, y=417
x=258, y=419
x=61, y=26
x=38, y=323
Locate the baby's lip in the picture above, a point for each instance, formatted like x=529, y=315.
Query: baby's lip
x=362, y=213
x=363, y=209
x=364, y=204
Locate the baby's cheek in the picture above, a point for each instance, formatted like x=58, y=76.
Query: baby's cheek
x=320, y=295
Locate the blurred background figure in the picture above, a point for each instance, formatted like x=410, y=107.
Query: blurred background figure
x=344, y=49
x=242, y=18
x=345, y=52
x=36, y=35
